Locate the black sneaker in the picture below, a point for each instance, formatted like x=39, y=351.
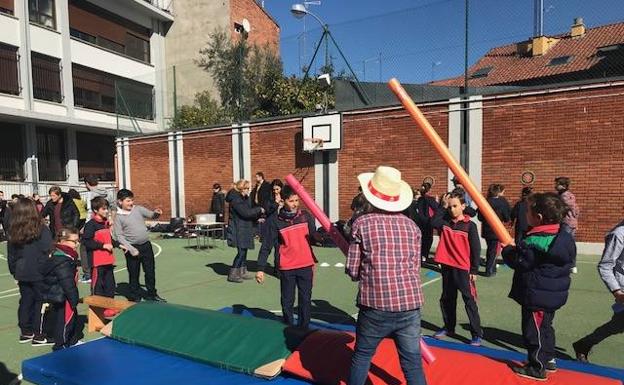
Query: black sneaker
x=42, y=341
x=551, y=366
x=156, y=298
x=24, y=338
x=581, y=353
x=530, y=372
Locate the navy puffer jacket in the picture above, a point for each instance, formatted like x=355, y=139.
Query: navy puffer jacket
x=542, y=264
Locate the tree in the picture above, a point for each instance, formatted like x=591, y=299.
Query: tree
x=204, y=112
x=251, y=82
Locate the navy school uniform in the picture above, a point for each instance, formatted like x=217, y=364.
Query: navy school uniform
x=503, y=211
x=458, y=253
x=541, y=281
x=293, y=233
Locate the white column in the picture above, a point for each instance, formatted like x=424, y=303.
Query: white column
x=475, y=139
x=236, y=166
x=176, y=174
x=25, y=73
x=319, y=187
x=245, y=129
x=62, y=9
x=123, y=162
x=454, y=134
x=71, y=168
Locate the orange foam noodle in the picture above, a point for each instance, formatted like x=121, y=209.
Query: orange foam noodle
x=484, y=207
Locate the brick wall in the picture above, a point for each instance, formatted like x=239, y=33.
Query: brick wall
x=391, y=139
x=149, y=173
x=552, y=136
x=263, y=29
x=207, y=160
x=276, y=150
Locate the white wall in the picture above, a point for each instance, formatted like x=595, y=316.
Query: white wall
x=94, y=57
x=11, y=101
x=45, y=41
x=9, y=30
x=50, y=108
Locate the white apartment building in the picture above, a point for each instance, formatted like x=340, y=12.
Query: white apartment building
x=75, y=74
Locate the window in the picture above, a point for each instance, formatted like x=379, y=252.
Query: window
x=611, y=49
x=481, y=73
x=9, y=70
x=560, y=60
x=42, y=12
x=11, y=152
x=51, y=155
x=96, y=155
x=137, y=48
x=6, y=6
x=109, y=44
x=105, y=92
x=46, y=73
x=82, y=36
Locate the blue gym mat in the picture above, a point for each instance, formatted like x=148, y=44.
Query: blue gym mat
x=107, y=362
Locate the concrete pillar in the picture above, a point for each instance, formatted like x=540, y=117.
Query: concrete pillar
x=475, y=140
x=176, y=174
x=62, y=9
x=71, y=148
x=454, y=134
x=241, y=152
x=326, y=186
x=25, y=71
x=123, y=162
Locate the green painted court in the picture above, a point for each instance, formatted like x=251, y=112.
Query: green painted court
x=197, y=278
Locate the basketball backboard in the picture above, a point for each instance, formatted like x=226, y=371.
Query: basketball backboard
x=323, y=132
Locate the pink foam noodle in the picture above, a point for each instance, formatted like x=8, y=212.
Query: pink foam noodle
x=340, y=241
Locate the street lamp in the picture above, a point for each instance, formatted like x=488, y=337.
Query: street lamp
x=299, y=11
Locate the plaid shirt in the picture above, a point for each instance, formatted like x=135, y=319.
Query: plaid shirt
x=384, y=257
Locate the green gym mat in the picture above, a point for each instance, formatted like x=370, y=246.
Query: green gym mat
x=243, y=344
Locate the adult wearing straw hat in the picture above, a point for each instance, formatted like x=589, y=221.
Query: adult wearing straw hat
x=384, y=257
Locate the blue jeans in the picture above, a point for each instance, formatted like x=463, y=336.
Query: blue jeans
x=241, y=259
x=372, y=326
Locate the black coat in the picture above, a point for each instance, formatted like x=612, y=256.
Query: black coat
x=60, y=270
x=69, y=213
x=264, y=193
x=519, y=217
x=242, y=217
x=542, y=277
x=217, y=206
x=502, y=210
x=25, y=260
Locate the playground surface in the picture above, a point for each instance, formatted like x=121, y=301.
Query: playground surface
x=194, y=277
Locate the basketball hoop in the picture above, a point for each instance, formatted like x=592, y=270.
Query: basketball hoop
x=430, y=180
x=527, y=178
x=312, y=144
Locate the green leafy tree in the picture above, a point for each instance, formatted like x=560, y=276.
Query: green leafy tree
x=251, y=84
x=204, y=112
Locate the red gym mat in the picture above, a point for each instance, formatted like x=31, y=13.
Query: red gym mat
x=325, y=357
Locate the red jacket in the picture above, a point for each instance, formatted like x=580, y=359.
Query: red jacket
x=97, y=233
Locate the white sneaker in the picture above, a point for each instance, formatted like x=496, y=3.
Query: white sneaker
x=574, y=270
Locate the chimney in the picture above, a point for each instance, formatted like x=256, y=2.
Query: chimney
x=578, y=28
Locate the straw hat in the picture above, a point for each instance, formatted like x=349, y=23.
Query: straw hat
x=385, y=190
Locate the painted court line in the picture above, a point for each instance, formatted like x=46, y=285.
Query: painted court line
x=116, y=271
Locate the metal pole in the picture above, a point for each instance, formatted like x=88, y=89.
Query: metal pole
x=380, y=67
x=466, y=48
x=175, y=95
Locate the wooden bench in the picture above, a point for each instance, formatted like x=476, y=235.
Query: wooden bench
x=97, y=304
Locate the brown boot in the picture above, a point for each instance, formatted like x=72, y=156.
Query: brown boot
x=244, y=274
x=235, y=275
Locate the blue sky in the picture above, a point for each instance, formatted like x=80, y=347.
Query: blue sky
x=418, y=40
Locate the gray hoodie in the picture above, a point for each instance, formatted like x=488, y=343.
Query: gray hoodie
x=129, y=227
x=611, y=265
x=97, y=192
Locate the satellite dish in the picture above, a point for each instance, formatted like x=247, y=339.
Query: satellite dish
x=246, y=26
